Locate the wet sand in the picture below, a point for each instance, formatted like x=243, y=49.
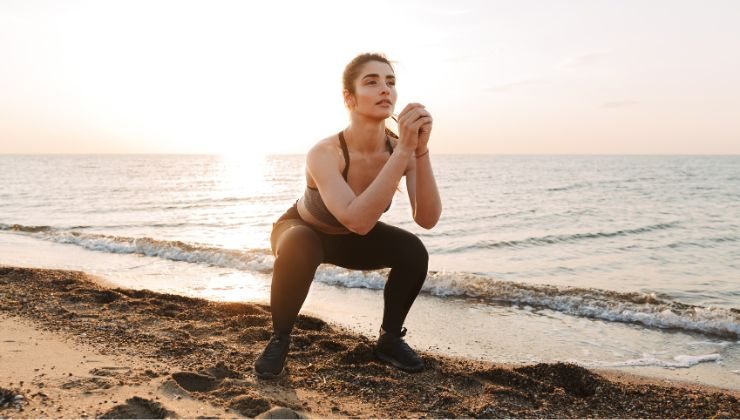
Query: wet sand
x=72, y=347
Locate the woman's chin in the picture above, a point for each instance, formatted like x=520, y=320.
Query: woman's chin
x=379, y=115
x=386, y=114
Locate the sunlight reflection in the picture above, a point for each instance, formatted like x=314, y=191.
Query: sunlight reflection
x=242, y=183
x=236, y=287
x=243, y=174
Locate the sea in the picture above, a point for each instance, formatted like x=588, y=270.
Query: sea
x=617, y=262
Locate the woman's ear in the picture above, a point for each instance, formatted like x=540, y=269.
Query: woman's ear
x=349, y=99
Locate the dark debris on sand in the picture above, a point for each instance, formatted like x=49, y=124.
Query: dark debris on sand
x=11, y=399
x=212, y=346
x=139, y=408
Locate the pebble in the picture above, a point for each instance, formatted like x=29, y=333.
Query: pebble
x=279, y=413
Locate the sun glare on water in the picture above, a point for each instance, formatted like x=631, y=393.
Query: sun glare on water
x=235, y=287
x=243, y=173
x=241, y=182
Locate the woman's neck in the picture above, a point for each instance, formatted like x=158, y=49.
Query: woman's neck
x=365, y=135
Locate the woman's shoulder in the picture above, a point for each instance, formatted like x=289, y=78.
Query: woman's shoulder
x=326, y=148
x=332, y=140
x=329, y=143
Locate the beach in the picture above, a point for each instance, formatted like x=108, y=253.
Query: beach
x=532, y=262
x=74, y=346
x=570, y=204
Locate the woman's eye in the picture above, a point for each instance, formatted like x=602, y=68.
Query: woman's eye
x=392, y=83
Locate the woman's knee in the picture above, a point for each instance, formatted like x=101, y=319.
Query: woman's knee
x=299, y=245
x=419, y=253
x=410, y=249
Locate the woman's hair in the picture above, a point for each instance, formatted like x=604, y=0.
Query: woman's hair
x=352, y=72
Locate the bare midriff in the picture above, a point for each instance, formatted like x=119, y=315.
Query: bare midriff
x=318, y=224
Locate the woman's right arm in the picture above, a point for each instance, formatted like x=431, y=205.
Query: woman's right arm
x=358, y=213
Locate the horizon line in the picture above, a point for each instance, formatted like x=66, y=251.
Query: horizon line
x=437, y=154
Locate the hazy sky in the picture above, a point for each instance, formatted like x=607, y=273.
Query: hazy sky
x=265, y=76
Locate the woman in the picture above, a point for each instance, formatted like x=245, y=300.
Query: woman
x=351, y=179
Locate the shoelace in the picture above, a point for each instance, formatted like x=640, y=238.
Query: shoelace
x=273, y=348
x=404, y=347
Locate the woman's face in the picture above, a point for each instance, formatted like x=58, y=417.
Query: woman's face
x=375, y=91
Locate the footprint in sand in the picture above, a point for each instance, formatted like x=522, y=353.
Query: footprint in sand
x=191, y=381
x=221, y=371
x=280, y=413
x=109, y=371
x=250, y=405
x=89, y=385
x=138, y=408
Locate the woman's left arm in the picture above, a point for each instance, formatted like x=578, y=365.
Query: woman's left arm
x=426, y=206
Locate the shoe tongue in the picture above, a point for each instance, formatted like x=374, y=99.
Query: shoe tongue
x=394, y=333
x=398, y=334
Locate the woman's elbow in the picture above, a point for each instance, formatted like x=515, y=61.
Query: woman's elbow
x=430, y=221
x=427, y=224
x=360, y=227
x=361, y=230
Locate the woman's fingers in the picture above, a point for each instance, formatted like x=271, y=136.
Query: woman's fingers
x=408, y=108
x=414, y=121
x=413, y=115
x=426, y=120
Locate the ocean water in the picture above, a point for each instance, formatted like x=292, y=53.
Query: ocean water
x=625, y=262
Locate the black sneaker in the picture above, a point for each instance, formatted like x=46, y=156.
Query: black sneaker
x=271, y=362
x=393, y=349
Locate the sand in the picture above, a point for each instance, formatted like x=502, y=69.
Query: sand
x=73, y=347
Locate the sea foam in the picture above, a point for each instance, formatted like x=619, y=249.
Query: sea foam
x=635, y=308
x=638, y=308
x=680, y=361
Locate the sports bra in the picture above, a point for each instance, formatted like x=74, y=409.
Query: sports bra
x=312, y=198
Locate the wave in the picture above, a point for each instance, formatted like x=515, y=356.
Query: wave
x=221, y=202
x=635, y=308
x=258, y=260
x=208, y=203
x=723, y=239
x=474, y=220
x=575, y=186
x=557, y=239
x=681, y=361
x=700, y=243
x=26, y=229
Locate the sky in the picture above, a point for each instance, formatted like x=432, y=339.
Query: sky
x=259, y=77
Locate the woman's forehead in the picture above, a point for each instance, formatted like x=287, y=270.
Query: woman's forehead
x=378, y=68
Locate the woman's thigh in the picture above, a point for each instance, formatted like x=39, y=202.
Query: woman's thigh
x=385, y=246
x=294, y=233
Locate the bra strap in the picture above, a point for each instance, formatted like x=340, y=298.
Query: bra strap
x=343, y=143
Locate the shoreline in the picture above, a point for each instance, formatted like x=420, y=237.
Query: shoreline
x=194, y=357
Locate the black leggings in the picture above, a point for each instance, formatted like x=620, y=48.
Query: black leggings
x=299, y=249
